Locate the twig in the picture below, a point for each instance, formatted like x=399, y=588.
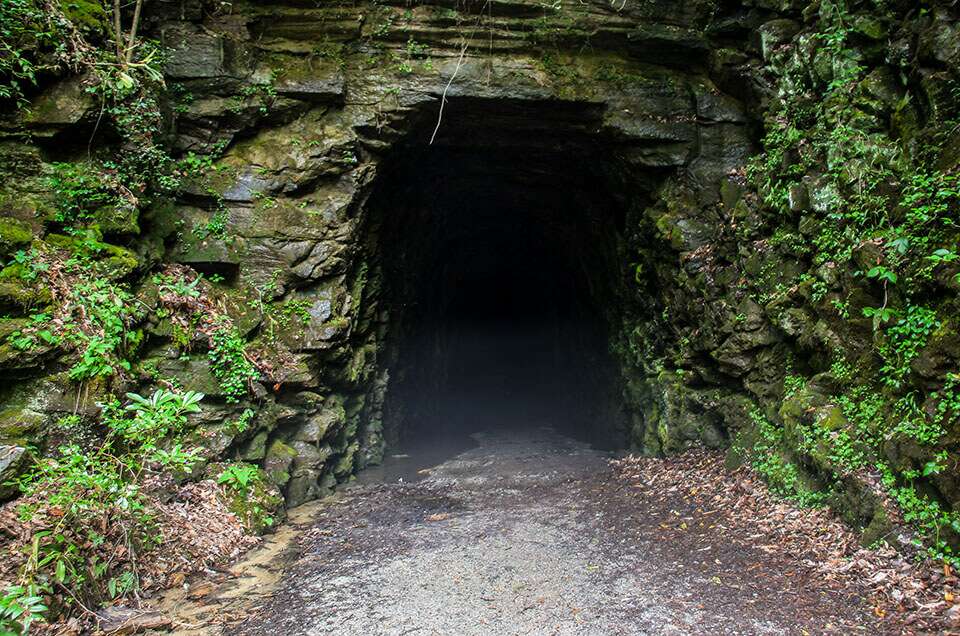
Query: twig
x=443, y=97
x=118, y=34
x=463, y=52
x=133, y=32
x=83, y=607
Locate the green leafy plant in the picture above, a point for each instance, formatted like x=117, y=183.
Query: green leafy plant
x=20, y=607
x=80, y=190
x=793, y=384
x=923, y=512
x=230, y=363
x=102, y=337
x=30, y=264
x=771, y=462
x=88, y=506
x=241, y=424
x=238, y=476
x=903, y=343
x=912, y=423
x=880, y=315
x=247, y=495
x=178, y=286
x=882, y=274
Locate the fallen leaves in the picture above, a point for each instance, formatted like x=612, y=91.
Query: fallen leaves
x=923, y=595
x=196, y=530
x=199, y=533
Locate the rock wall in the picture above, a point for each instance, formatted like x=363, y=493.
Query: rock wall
x=732, y=289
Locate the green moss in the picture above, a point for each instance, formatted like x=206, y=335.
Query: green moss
x=116, y=219
x=120, y=261
x=17, y=289
x=19, y=425
x=115, y=261
x=14, y=233
x=277, y=462
x=87, y=15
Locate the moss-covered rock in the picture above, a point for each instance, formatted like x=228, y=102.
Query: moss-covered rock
x=14, y=234
x=278, y=462
x=88, y=15
x=20, y=425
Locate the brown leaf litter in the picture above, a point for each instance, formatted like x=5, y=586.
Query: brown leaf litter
x=923, y=596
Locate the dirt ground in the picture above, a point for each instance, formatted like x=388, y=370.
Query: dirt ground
x=527, y=533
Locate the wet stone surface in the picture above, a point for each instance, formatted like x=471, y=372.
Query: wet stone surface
x=530, y=532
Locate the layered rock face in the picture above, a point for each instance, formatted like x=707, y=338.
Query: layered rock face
x=349, y=159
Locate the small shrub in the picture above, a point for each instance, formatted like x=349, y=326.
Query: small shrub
x=88, y=508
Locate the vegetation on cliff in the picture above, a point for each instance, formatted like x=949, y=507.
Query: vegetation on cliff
x=92, y=508
x=858, y=181
x=185, y=217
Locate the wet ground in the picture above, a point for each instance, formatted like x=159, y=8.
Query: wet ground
x=528, y=532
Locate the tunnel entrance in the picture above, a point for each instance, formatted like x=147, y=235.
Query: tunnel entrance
x=500, y=252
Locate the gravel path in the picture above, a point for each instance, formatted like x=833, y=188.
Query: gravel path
x=531, y=533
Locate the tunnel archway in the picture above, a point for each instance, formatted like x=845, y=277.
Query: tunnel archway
x=502, y=259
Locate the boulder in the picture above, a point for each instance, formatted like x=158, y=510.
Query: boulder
x=13, y=460
x=67, y=103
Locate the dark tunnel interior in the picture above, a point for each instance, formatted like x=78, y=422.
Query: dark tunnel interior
x=500, y=255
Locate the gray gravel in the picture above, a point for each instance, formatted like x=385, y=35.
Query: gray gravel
x=524, y=534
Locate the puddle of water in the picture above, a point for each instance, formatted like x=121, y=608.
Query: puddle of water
x=412, y=460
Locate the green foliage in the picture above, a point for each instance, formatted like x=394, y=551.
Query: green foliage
x=903, y=342
x=871, y=187
x=864, y=408
x=31, y=266
x=792, y=384
x=79, y=190
x=85, y=503
x=923, y=512
x=260, y=94
x=230, y=363
x=948, y=401
x=840, y=369
x=842, y=307
x=769, y=459
x=20, y=607
x=35, y=335
x=882, y=274
x=241, y=424
x=931, y=199
x=93, y=320
x=216, y=226
x=912, y=423
x=834, y=443
x=880, y=315
x=32, y=40
x=178, y=286
x=248, y=497
x=239, y=477
x=282, y=314
x=149, y=171
x=155, y=418
x=102, y=338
